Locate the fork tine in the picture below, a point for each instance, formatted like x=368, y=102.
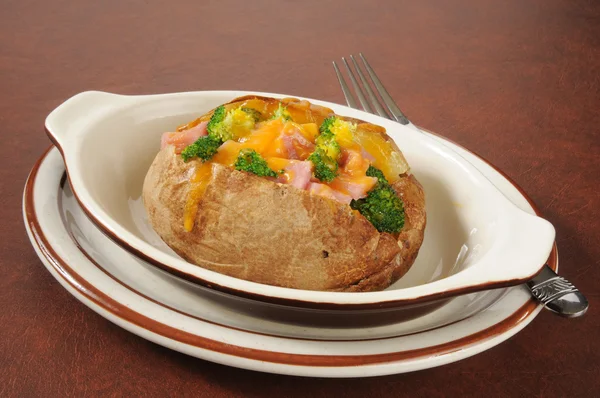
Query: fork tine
x=367, y=87
x=345, y=89
x=387, y=98
x=357, y=89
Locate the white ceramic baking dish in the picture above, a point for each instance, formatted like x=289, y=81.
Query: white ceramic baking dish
x=475, y=239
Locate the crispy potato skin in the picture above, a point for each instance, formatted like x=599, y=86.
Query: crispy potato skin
x=255, y=229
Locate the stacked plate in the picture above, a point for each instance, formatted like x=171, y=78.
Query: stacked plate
x=453, y=303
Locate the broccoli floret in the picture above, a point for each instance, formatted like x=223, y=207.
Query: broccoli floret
x=375, y=172
x=326, y=141
x=327, y=152
x=282, y=112
x=382, y=207
x=237, y=123
x=326, y=125
x=215, y=126
x=232, y=124
x=325, y=167
x=249, y=160
x=204, y=148
x=256, y=115
x=341, y=129
x=222, y=126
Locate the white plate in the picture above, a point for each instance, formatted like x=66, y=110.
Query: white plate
x=475, y=238
x=212, y=326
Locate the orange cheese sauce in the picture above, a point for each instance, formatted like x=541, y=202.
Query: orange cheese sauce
x=265, y=139
x=278, y=163
x=268, y=140
x=227, y=155
x=198, y=185
x=382, y=151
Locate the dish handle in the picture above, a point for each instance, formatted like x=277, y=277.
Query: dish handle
x=63, y=123
x=520, y=253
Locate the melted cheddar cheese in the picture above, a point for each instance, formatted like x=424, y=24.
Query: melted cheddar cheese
x=272, y=140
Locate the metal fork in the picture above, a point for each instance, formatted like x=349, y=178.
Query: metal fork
x=555, y=292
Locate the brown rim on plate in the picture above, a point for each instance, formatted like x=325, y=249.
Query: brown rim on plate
x=121, y=311
x=304, y=303
x=137, y=292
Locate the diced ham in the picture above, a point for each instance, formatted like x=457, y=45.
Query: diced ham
x=316, y=188
x=354, y=163
x=301, y=140
x=340, y=197
x=296, y=145
x=181, y=139
x=299, y=173
x=343, y=160
x=288, y=143
x=295, y=172
x=352, y=179
x=355, y=187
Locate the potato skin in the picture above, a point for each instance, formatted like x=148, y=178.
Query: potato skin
x=255, y=229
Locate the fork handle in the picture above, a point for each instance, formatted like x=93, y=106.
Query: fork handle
x=557, y=294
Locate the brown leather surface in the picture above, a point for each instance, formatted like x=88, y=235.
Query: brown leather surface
x=517, y=82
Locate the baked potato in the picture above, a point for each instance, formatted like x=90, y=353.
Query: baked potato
x=286, y=193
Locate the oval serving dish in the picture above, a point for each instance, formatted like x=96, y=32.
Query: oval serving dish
x=475, y=239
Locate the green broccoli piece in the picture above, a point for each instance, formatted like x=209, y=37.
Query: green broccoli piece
x=249, y=160
x=232, y=124
x=375, y=172
x=204, y=148
x=382, y=207
x=283, y=113
x=342, y=130
x=216, y=127
x=327, y=124
x=327, y=152
x=237, y=123
x=222, y=126
x=325, y=167
x=256, y=115
x=326, y=141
